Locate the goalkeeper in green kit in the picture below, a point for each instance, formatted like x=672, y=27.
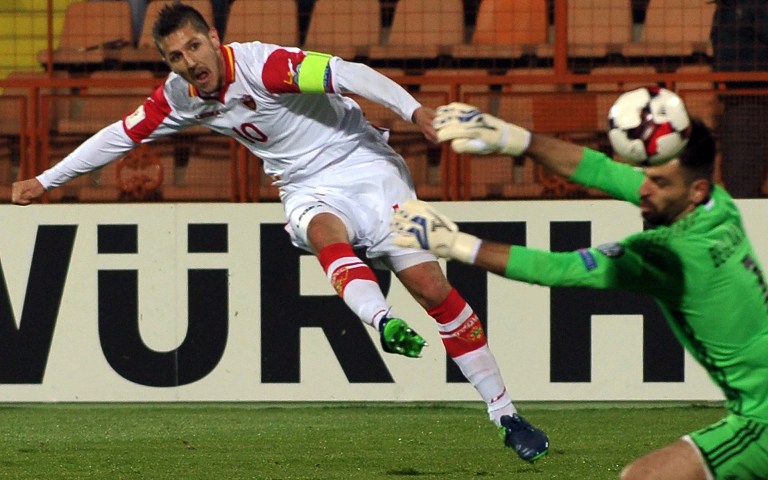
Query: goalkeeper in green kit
x=694, y=259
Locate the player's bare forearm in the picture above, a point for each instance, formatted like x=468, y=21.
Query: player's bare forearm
x=25, y=192
x=493, y=256
x=557, y=155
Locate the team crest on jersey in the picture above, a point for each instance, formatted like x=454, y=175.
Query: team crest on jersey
x=249, y=102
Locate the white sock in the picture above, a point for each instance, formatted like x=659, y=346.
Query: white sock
x=480, y=368
x=365, y=299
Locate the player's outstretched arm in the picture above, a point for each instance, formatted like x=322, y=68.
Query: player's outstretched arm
x=25, y=192
x=471, y=131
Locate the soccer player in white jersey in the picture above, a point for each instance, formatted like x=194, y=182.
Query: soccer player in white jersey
x=339, y=180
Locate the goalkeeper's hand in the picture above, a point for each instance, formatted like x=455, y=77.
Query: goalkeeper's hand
x=419, y=225
x=472, y=131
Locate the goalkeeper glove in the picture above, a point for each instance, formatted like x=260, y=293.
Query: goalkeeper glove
x=472, y=131
x=418, y=225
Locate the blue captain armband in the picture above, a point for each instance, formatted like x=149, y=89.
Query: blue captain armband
x=315, y=73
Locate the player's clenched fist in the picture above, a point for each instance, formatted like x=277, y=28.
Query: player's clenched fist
x=419, y=225
x=472, y=131
x=25, y=191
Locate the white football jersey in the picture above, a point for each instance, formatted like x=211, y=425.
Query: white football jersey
x=284, y=104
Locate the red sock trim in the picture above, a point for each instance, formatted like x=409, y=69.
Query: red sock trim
x=451, y=307
x=333, y=252
x=467, y=338
x=342, y=276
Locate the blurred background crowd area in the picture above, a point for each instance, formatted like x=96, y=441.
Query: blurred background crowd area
x=69, y=68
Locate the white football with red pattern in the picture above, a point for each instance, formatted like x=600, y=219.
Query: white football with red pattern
x=648, y=126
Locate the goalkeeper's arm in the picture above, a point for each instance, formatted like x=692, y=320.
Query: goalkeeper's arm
x=471, y=131
x=417, y=224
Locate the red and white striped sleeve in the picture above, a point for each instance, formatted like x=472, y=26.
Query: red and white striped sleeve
x=152, y=119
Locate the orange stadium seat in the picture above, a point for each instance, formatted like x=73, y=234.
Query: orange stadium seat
x=93, y=32
x=674, y=28
x=347, y=28
x=596, y=28
x=507, y=29
x=423, y=29
x=268, y=21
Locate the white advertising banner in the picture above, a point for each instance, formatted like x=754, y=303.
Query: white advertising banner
x=210, y=302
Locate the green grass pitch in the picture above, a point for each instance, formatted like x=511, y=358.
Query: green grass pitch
x=230, y=441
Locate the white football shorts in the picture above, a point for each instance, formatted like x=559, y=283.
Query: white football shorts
x=364, y=196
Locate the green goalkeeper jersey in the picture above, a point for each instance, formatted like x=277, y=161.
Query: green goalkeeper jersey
x=701, y=270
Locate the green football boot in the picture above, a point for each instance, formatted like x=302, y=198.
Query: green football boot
x=398, y=337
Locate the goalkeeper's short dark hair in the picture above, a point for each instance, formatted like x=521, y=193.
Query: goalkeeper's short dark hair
x=174, y=16
x=698, y=157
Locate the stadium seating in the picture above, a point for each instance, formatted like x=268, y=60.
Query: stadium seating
x=500, y=176
x=413, y=41
x=92, y=33
x=700, y=97
x=146, y=51
x=422, y=29
x=268, y=21
x=15, y=130
x=457, y=85
x=596, y=28
x=100, y=106
x=206, y=179
x=532, y=86
x=507, y=29
x=607, y=92
x=347, y=28
x=674, y=28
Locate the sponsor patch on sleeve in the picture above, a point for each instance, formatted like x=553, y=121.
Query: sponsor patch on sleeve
x=613, y=249
x=589, y=260
x=137, y=116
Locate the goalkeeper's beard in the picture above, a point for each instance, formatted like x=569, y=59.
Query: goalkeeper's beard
x=653, y=219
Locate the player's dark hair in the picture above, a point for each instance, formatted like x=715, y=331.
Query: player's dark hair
x=174, y=16
x=698, y=157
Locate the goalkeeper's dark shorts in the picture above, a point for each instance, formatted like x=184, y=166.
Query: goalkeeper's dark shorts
x=735, y=448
